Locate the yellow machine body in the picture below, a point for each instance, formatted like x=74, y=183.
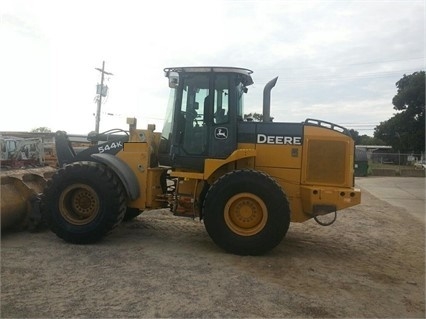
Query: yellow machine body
x=316, y=176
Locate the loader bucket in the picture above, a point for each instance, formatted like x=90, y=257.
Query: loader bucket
x=20, y=205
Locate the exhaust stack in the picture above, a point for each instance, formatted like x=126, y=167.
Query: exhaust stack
x=267, y=99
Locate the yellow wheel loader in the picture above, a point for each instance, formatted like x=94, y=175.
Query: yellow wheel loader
x=246, y=180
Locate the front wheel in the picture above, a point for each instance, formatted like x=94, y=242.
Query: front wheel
x=131, y=213
x=83, y=202
x=246, y=212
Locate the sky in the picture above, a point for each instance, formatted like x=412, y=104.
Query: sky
x=336, y=61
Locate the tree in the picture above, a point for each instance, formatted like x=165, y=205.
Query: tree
x=355, y=136
x=364, y=139
x=256, y=117
x=41, y=129
x=368, y=140
x=405, y=131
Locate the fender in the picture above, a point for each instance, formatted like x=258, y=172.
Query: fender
x=211, y=165
x=123, y=171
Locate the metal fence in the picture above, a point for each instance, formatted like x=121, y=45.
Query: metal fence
x=395, y=158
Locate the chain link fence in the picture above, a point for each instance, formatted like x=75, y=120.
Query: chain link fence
x=390, y=164
x=395, y=158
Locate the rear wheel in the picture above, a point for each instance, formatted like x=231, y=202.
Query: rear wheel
x=83, y=202
x=246, y=212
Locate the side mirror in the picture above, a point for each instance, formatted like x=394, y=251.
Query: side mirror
x=173, y=80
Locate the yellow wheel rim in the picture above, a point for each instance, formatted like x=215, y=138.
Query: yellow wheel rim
x=245, y=214
x=79, y=204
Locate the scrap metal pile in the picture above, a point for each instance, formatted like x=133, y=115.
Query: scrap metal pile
x=23, y=177
x=20, y=191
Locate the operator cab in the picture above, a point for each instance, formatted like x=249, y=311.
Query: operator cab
x=205, y=105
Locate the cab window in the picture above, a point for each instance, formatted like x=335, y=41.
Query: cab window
x=221, y=100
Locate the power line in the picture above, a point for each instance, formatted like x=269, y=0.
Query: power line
x=325, y=73
x=341, y=77
x=340, y=65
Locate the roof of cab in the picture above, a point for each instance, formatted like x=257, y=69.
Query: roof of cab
x=246, y=73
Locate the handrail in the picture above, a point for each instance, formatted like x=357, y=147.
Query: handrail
x=328, y=125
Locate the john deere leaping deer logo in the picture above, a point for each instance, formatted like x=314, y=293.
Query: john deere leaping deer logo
x=221, y=133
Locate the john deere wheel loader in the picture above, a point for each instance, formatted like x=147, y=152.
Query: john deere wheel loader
x=246, y=180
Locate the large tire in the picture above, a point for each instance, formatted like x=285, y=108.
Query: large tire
x=83, y=202
x=131, y=213
x=246, y=212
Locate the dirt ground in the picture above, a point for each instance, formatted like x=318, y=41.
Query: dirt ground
x=370, y=263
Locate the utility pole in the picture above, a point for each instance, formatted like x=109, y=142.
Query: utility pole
x=101, y=92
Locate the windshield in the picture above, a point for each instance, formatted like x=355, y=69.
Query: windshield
x=241, y=89
x=167, y=127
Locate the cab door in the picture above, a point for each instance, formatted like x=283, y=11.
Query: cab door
x=223, y=133
x=190, y=123
x=204, y=120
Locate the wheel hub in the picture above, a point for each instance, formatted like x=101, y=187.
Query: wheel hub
x=245, y=214
x=83, y=202
x=79, y=204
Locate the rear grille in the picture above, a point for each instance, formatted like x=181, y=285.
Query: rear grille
x=326, y=162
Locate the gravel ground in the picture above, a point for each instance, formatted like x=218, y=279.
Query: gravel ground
x=370, y=263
